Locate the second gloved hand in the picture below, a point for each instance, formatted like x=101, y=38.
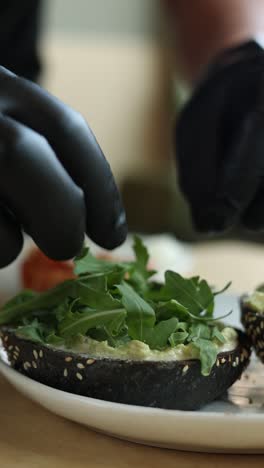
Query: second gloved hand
x=220, y=143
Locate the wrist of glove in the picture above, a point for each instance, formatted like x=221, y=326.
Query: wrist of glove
x=55, y=182
x=220, y=142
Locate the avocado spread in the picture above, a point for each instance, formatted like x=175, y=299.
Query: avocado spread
x=137, y=350
x=255, y=301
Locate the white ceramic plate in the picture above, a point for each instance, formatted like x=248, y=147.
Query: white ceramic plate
x=234, y=424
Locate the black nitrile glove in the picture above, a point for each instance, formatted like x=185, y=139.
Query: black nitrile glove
x=220, y=143
x=54, y=180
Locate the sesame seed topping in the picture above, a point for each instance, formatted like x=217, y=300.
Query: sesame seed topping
x=90, y=361
x=223, y=360
x=16, y=353
x=17, y=349
x=35, y=353
x=237, y=360
x=242, y=357
x=34, y=364
x=27, y=365
x=234, y=364
x=15, y=357
x=65, y=373
x=184, y=370
x=258, y=330
x=41, y=353
x=79, y=376
x=68, y=359
x=10, y=348
x=6, y=338
x=230, y=358
x=80, y=365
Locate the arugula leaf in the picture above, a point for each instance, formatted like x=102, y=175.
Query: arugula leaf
x=158, y=336
x=54, y=339
x=182, y=326
x=139, y=312
x=221, y=291
x=30, y=332
x=21, y=298
x=178, y=337
x=194, y=294
x=171, y=308
x=97, y=300
x=48, y=299
x=207, y=354
x=218, y=335
x=35, y=331
x=87, y=266
x=87, y=263
x=97, y=281
x=114, y=340
x=139, y=274
x=116, y=326
x=102, y=310
x=208, y=320
x=61, y=310
x=141, y=254
x=114, y=277
x=199, y=330
x=81, y=322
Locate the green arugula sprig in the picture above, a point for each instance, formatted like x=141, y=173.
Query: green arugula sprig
x=118, y=302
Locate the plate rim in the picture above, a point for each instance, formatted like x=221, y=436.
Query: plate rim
x=132, y=409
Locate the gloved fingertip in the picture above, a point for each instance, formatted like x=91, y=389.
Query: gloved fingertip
x=63, y=248
x=118, y=234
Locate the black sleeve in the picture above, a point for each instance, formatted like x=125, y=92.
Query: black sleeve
x=19, y=34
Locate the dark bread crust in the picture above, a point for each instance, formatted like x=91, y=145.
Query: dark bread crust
x=253, y=323
x=171, y=384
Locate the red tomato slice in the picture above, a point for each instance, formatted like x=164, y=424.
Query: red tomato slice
x=41, y=273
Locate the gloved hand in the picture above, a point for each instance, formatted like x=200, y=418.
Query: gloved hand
x=54, y=180
x=220, y=142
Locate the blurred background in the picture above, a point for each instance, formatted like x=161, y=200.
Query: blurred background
x=112, y=61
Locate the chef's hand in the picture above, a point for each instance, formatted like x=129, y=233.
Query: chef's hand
x=54, y=180
x=220, y=143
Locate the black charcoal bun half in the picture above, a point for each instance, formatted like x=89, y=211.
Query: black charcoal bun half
x=163, y=384
x=253, y=323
